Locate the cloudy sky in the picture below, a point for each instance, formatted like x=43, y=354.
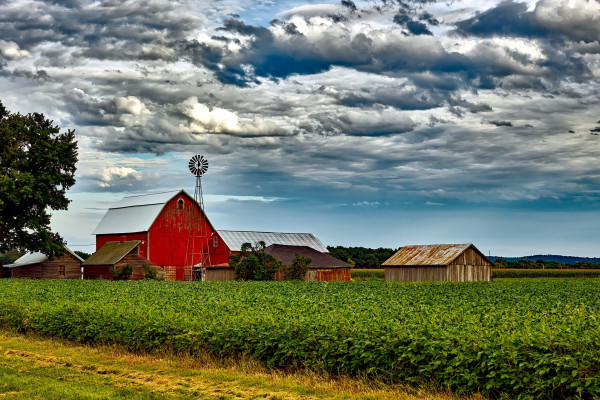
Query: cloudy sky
x=374, y=123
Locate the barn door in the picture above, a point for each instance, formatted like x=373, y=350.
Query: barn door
x=180, y=273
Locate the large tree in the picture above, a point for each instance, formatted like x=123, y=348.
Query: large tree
x=37, y=166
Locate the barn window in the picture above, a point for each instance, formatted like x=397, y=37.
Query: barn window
x=215, y=241
x=180, y=204
x=61, y=270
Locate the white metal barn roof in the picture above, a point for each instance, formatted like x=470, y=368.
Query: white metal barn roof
x=235, y=239
x=134, y=213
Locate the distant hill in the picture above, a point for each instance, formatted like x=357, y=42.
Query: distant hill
x=549, y=257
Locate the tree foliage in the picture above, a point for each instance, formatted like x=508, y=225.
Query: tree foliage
x=361, y=257
x=82, y=254
x=253, y=263
x=297, y=270
x=37, y=167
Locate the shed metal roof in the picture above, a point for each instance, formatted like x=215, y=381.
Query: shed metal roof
x=135, y=213
x=432, y=254
x=111, y=253
x=286, y=254
x=36, y=258
x=235, y=239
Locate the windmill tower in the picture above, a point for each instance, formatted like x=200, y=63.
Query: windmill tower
x=198, y=255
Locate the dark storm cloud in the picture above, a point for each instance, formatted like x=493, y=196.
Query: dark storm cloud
x=555, y=20
x=501, y=123
x=507, y=18
x=405, y=19
x=107, y=30
x=357, y=124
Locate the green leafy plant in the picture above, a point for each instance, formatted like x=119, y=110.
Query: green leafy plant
x=122, y=274
x=149, y=272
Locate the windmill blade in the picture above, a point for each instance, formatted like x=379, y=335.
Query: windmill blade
x=198, y=165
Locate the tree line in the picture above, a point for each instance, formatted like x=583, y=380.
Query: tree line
x=541, y=264
x=361, y=257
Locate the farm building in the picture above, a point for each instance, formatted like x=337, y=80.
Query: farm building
x=438, y=262
x=115, y=255
x=171, y=229
x=220, y=272
x=322, y=267
x=305, y=242
x=39, y=266
x=172, y=232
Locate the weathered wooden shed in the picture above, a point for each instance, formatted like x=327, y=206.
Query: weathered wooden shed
x=39, y=266
x=117, y=255
x=220, y=272
x=438, y=262
x=322, y=267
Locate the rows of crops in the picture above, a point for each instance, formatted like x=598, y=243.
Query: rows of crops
x=537, y=338
x=367, y=274
x=374, y=274
x=545, y=273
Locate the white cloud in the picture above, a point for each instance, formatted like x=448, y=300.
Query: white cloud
x=121, y=176
x=11, y=50
x=220, y=120
x=131, y=105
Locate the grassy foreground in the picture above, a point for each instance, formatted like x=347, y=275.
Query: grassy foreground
x=37, y=368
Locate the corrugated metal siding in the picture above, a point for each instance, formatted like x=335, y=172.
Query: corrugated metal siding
x=328, y=275
x=235, y=239
x=415, y=274
x=433, y=254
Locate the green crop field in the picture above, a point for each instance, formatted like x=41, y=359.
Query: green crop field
x=545, y=273
x=513, y=338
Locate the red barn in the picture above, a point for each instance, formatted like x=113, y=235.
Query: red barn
x=171, y=228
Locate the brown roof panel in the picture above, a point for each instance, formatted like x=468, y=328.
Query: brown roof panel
x=432, y=254
x=286, y=254
x=111, y=253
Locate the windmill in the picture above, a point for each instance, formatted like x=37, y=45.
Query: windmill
x=198, y=258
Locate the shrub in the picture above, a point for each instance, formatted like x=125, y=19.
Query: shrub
x=297, y=270
x=123, y=274
x=254, y=263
